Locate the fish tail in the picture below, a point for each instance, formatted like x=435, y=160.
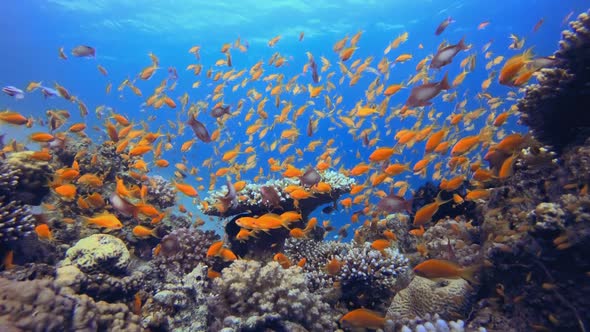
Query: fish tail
x=444, y=84
x=468, y=274
x=462, y=44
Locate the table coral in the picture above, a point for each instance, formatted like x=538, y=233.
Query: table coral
x=252, y=201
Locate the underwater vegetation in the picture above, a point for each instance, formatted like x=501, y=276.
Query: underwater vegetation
x=497, y=239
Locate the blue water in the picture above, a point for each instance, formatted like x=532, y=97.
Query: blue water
x=124, y=32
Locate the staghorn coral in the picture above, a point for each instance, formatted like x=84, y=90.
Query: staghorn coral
x=250, y=296
x=555, y=109
x=40, y=305
x=183, y=249
x=98, y=253
x=368, y=277
x=161, y=192
x=445, y=297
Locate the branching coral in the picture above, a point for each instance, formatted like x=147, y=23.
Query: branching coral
x=161, y=192
x=251, y=296
x=183, y=249
x=369, y=277
x=16, y=221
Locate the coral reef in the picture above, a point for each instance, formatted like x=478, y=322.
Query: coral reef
x=32, y=175
x=98, y=253
x=454, y=240
x=445, y=297
x=183, y=249
x=538, y=234
x=161, y=192
x=317, y=254
x=429, y=323
x=368, y=277
x=252, y=202
x=16, y=221
x=555, y=109
x=40, y=305
x=179, y=304
x=250, y=296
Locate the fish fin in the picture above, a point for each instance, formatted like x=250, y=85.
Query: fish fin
x=444, y=84
x=462, y=44
x=408, y=205
x=468, y=274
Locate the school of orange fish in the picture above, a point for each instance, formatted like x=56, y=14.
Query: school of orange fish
x=274, y=123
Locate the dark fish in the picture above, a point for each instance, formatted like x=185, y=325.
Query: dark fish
x=445, y=55
x=365, y=139
x=270, y=197
x=394, y=204
x=309, y=128
x=2, y=141
x=199, y=129
x=314, y=71
x=84, y=51
x=219, y=111
x=48, y=92
x=172, y=74
x=228, y=56
x=421, y=95
x=539, y=24
x=443, y=25
x=13, y=92
x=310, y=178
x=230, y=199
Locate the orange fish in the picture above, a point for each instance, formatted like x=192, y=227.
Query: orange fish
x=363, y=318
x=333, y=266
x=282, y=260
x=43, y=232
x=106, y=220
x=425, y=213
x=66, y=191
x=381, y=154
x=144, y=232
x=186, y=189
x=440, y=268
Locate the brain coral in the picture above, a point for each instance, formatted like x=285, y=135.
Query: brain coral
x=98, y=253
x=444, y=297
